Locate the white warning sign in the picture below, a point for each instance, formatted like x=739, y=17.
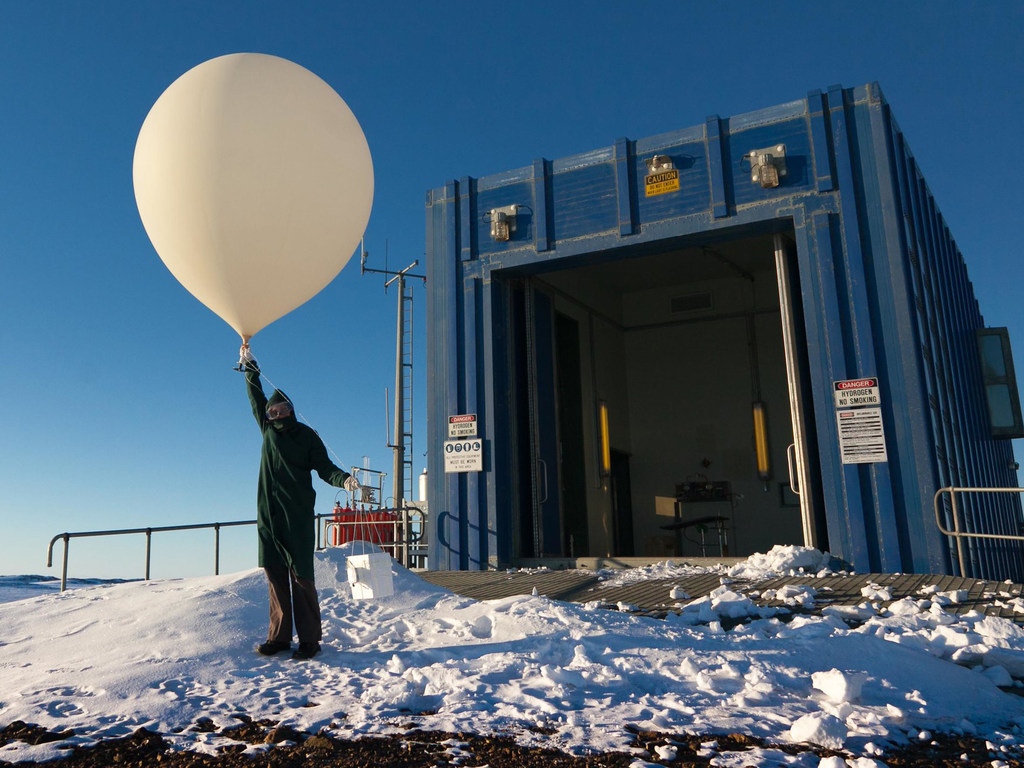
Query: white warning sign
x=463, y=455
x=858, y=392
x=861, y=436
x=462, y=425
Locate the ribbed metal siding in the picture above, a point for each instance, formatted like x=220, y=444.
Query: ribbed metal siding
x=945, y=319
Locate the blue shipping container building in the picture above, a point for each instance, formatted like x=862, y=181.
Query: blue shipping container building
x=754, y=331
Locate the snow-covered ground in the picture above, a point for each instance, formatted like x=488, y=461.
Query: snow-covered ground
x=106, y=659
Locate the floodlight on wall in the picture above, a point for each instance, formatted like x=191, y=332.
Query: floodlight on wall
x=764, y=468
x=503, y=222
x=658, y=163
x=767, y=166
x=606, y=445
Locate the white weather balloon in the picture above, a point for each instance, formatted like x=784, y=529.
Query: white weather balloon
x=254, y=183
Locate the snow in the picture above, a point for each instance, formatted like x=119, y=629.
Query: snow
x=105, y=659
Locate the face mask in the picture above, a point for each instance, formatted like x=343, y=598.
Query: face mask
x=278, y=411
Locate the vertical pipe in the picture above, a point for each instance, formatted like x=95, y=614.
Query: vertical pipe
x=796, y=407
x=402, y=520
x=64, y=568
x=216, y=549
x=956, y=530
x=399, y=438
x=149, y=541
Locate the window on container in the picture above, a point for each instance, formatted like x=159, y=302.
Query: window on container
x=1001, y=393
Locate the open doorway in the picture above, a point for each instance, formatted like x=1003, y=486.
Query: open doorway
x=679, y=348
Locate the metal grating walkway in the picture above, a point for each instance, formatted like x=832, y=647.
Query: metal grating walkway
x=653, y=596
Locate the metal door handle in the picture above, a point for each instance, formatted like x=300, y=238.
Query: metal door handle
x=541, y=464
x=794, y=486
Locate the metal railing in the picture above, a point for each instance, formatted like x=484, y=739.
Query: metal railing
x=399, y=532
x=407, y=542
x=959, y=535
x=66, y=538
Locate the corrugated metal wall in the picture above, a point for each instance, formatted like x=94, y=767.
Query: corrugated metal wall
x=883, y=288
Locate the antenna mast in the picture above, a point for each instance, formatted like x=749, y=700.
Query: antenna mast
x=402, y=440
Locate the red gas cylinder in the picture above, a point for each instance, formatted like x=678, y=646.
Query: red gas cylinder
x=336, y=529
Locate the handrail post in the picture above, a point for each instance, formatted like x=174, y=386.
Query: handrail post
x=405, y=535
x=956, y=529
x=149, y=541
x=64, y=567
x=216, y=549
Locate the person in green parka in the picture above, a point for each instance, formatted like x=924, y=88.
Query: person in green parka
x=285, y=515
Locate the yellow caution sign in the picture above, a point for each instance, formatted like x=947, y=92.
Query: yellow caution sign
x=661, y=182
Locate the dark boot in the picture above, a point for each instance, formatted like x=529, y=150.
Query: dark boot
x=271, y=647
x=306, y=651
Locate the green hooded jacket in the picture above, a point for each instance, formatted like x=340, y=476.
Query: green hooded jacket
x=285, y=496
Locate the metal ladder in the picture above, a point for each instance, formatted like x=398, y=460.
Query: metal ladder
x=403, y=391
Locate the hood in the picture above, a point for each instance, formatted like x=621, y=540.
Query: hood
x=280, y=397
x=288, y=421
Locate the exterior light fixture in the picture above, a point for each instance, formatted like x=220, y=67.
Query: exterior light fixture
x=659, y=163
x=764, y=469
x=503, y=222
x=606, y=445
x=767, y=166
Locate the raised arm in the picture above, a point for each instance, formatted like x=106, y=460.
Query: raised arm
x=255, y=388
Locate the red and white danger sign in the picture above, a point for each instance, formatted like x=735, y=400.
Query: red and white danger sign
x=462, y=425
x=856, y=392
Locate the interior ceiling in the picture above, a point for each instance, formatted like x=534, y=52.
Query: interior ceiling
x=723, y=260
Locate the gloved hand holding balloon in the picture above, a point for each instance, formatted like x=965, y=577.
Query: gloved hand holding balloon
x=254, y=183
x=245, y=358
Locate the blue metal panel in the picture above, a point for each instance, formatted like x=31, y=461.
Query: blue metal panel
x=625, y=187
x=878, y=512
x=899, y=287
x=519, y=193
x=694, y=195
x=541, y=174
x=444, y=545
x=793, y=135
x=455, y=519
x=716, y=167
x=979, y=516
x=476, y=526
x=946, y=449
x=946, y=356
x=823, y=322
x=595, y=208
x=466, y=213
x=824, y=175
x=494, y=412
x=995, y=515
x=898, y=350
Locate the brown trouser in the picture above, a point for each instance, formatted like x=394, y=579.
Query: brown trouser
x=288, y=593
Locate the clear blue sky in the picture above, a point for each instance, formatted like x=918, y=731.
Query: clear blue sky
x=122, y=408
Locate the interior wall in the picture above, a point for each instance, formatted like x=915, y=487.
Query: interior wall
x=679, y=389
x=691, y=389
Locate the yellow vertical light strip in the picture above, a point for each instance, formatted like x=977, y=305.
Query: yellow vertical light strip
x=606, y=446
x=761, y=441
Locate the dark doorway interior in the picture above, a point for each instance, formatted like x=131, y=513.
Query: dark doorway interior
x=622, y=504
x=572, y=474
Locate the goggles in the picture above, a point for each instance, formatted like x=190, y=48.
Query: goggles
x=278, y=411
